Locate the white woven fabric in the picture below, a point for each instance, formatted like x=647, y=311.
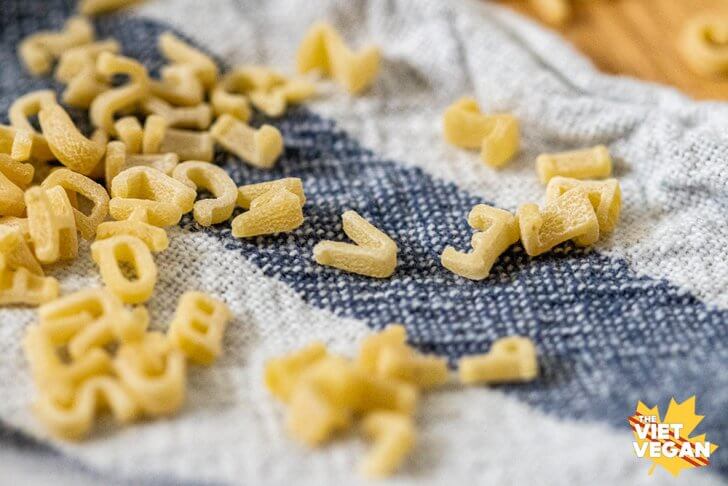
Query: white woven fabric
x=230, y=429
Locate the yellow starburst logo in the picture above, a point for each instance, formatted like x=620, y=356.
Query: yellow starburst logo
x=668, y=442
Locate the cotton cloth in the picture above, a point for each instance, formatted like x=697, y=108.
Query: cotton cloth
x=642, y=316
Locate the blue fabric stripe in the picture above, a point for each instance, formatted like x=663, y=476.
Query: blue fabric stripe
x=607, y=337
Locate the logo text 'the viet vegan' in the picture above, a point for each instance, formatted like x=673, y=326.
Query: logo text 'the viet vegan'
x=668, y=442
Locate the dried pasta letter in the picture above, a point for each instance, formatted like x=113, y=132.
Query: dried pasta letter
x=374, y=254
x=137, y=224
x=95, y=193
x=52, y=224
x=105, y=106
x=130, y=131
x=197, y=117
x=260, y=148
x=16, y=251
x=198, y=326
x=91, y=319
x=324, y=50
x=276, y=211
x=20, y=286
x=393, y=435
x=511, y=359
x=111, y=253
x=497, y=230
x=76, y=60
x=188, y=144
x=117, y=161
x=215, y=180
x=177, y=51
x=163, y=198
x=386, y=354
x=605, y=196
x=72, y=149
x=74, y=420
x=282, y=374
x=38, y=51
x=247, y=193
x=154, y=374
x=570, y=216
x=179, y=86
x=497, y=136
x=591, y=163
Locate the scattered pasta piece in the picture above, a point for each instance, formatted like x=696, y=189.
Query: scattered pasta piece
x=39, y=51
x=497, y=136
x=112, y=253
x=331, y=390
x=106, y=105
x=276, y=211
x=19, y=173
x=84, y=88
x=39, y=150
x=76, y=60
x=226, y=100
x=52, y=224
x=130, y=131
x=497, y=230
x=374, y=254
x=15, y=250
x=215, y=180
x=58, y=377
x=196, y=117
x=198, y=326
x=393, y=435
x=12, y=202
x=313, y=418
x=153, y=372
x=163, y=198
x=569, y=216
x=395, y=360
x=77, y=69
x=274, y=101
x=137, y=224
x=323, y=50
x=260, y=148
x=282, y=374
x=177, y=51
x=188, y=144
x=20, y=286
x=74, y=183
x=554, y=12
x=97, y=7
x=605, y=196
x=703, y=44
x=22, y=147
x=247, y=193
x=74, y=420
x=117, y=161
x=179, y=86
x=20, y=224
x=155, y=128
x=91, y=319
x=511, y=359
x=591, y=163
x=269, y=91
x=68, y=144
x=29, y=105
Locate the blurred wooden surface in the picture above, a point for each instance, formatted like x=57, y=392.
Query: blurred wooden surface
x=638, y=38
